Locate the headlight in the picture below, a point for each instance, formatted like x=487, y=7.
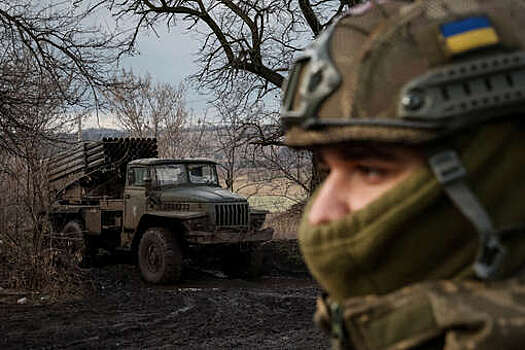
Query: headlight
x=202, y=224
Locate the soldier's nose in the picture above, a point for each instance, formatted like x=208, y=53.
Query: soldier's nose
x=331, y=202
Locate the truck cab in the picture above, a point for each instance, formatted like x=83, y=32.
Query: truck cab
x=188, y=191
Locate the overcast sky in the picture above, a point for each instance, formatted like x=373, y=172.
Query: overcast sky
x=167, y=58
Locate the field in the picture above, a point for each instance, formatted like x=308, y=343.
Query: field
x=276, y=196
x=274, y=204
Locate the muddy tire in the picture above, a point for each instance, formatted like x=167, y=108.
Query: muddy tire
x=75, y=230
x=160, y=256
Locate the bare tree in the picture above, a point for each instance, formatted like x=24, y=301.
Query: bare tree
x=51, y=58
x=54, y=62
x=255, y=161
x=292, y=171
x=23, y=224
x=133, y=105
x=247, y=40
x=231, y=141
x=146, y=109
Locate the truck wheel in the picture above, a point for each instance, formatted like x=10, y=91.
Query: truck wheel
x=160, y=257
x=74, y=229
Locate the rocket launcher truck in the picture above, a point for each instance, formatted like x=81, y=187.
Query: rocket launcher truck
x=117, y=195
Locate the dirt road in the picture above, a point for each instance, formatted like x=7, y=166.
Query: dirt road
x=205, y=312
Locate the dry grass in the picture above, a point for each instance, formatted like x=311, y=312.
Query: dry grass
x=286, y=256
x=277, y=186
x=274, y=204
x=284, y=200
x=42, y=270
x=286, y=223
x=277, y=195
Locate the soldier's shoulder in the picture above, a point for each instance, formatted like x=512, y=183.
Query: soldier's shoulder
x=460, y=314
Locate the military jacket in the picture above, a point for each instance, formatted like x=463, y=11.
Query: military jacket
x=445, y=315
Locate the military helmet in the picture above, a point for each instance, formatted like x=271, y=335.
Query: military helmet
x=411, y=72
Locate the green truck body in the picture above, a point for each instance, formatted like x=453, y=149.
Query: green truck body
x=118, y=195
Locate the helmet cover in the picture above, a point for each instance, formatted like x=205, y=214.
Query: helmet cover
x=407, y=72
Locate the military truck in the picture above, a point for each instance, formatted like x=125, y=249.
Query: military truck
x=119, y=196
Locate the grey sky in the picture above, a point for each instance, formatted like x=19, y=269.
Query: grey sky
x=168, y=58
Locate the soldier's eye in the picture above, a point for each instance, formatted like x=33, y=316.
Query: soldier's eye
x=372, y=174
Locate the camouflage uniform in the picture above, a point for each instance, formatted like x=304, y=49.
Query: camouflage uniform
x=448, y=77
x=447, y=315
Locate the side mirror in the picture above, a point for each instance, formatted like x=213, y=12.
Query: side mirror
x=229, y=183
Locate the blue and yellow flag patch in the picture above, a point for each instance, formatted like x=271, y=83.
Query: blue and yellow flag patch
x=468, y=34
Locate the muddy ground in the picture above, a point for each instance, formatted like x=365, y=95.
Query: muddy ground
x=206, y=311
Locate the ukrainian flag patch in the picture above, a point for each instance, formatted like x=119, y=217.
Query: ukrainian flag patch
x=468, y=34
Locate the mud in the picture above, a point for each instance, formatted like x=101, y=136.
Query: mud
x=207, y=311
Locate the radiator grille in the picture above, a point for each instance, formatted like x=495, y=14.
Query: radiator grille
x=227, y=215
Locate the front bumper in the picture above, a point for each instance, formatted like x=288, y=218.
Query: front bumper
x=201, y=237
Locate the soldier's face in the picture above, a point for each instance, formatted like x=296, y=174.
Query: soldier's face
x=359, y=175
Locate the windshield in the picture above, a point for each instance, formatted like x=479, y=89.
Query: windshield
x=203, y=173
x=170, y=174
x=178, y=174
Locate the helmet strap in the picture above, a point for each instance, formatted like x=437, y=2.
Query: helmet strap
x=451, y=174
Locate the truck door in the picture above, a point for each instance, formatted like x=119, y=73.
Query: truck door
x=134, y=197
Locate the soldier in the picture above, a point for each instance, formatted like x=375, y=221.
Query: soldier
x=417, y=234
